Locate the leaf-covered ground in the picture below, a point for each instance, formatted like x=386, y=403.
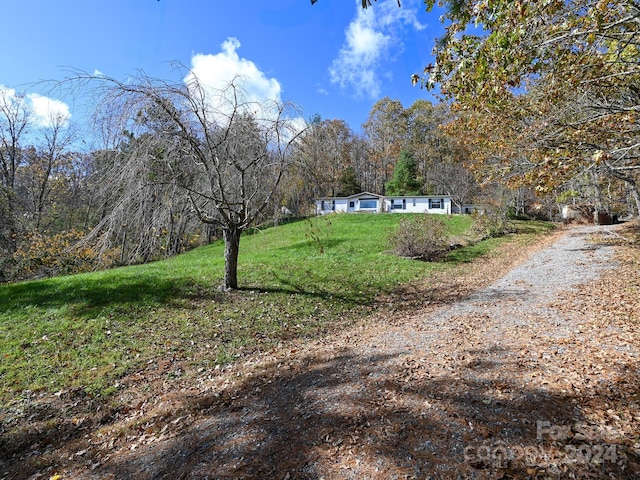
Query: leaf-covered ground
x=424, y=388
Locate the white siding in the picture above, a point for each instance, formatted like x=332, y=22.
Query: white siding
x=331, y=205
x=418, y=205
x=341, y=205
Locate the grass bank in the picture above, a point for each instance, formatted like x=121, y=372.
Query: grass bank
x=297, y=281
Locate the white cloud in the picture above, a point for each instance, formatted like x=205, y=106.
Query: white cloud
x=370, y=39
x=391, y=16
x=6, y=93
x=321, y=90
x=48, y=111
x=216, y=72
x=45, y=111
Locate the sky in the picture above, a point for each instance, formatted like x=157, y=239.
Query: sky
x=332, y=59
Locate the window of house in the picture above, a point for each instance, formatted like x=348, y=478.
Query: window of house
x=435, y=203
x=321, y=204
x=352, y=204
x=414, y=202
x=333, y=205
x=369, y=203
x=396, y=204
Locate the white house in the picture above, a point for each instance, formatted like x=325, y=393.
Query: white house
x=372, y=203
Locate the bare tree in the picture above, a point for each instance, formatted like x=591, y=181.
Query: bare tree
x=186, y=143
x=454, y=180
x=15, y=119
x=45, y=169
x=321, y=157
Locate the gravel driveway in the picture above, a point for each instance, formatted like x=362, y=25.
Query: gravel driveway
x=526, y=292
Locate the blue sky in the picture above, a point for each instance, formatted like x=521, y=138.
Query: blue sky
x=331, y=59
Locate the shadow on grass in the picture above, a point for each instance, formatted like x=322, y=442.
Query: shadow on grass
x=353, y=416
x=89, y=295
x=311, y=288
x=86, y=295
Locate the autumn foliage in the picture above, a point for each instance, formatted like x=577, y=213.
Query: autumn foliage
x=64, y=253
x=547, y=91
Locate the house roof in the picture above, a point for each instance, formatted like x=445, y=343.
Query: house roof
x=417, y=196
x=356, y=195
x=369, y=194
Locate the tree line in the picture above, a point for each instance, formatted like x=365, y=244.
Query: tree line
x=548, y=92
x=182, y=164
x=539, y=109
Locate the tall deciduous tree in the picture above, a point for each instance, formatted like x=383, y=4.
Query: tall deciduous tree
x=15, y=119
x=430, y=144
x=385, y=131
x=45, y=169
x=562, y=76
x=322, y=155
x=455, y=180
x=188, y=143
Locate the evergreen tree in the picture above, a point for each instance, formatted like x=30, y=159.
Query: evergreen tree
x=405, y=177
x=349, y=182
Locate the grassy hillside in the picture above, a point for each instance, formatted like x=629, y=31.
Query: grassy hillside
x=86, y=331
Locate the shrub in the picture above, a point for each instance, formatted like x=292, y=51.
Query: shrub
x=423, y=237
x=491, y=224
x=41, y=256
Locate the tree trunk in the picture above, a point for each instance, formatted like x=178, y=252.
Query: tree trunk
x=8, y=225
x=231, y=249
x=633, y=186
x=636, y=196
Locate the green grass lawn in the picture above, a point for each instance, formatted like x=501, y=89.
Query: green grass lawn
x=87, y=331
